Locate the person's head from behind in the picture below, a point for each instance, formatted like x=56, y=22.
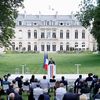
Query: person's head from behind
x=44, y=77
x=62, y=77
x=61, y=85
x=83, y=97
x=11, y=96
x=80, y=76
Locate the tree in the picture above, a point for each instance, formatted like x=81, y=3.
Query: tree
x=8, y=14
x=90, y=12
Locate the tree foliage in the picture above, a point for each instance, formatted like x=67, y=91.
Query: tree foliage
x=90, y=12
x=8, y=14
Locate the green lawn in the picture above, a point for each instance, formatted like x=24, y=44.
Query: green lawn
x=65, y=63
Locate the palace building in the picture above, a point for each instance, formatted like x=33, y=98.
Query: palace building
x=51, y=33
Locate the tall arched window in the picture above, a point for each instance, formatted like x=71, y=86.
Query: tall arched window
x=35, y=34
x=83, y=34
x=54, y=46
x=67, y=34
x=29, y=34
x=67, y=46
x=29, y=46
x=42, y=46
x=35, y=46
x=61, y=46
x=61, y=34
x=48, y=46
x=76, y=34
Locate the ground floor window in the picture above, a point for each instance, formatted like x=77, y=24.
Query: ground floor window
x=53, y=47
x=48, y=47
x=42, y=47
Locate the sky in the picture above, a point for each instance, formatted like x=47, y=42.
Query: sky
x=50, y=7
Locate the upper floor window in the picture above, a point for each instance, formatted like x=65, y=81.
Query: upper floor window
x=83, y=34
x=54, y=34
x=42, y=35
x=76, y=34
x=61, y=34
x=67, y=34
x=29, y=34
x=35, y=34
x=20, y=22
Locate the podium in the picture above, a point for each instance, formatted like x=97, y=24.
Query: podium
x=51, y=70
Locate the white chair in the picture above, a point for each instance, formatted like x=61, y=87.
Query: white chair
x=25, y=87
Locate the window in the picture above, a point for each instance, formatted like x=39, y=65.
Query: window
x=42, y=47
x=83, y=34
x=67, y=46
x=20, y=22
x=61, y=46
x=42, y=35
x=76, y=34
x=83, y=44
x=29, y=34
x=35, y=46
x=48, y=46
x=35, y=34
x=53, y=47
x=67, y=34
x=20, y=45
x=54, y=34
x=48, y=23
x=13, y=46
x=76, y=44
x=29, y=46
x=61, y=34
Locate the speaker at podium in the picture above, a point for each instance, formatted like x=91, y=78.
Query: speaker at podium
x=51, y=70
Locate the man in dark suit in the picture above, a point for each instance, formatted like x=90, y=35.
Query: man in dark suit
x=51, y=61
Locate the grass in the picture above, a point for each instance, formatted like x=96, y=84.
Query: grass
x=65, y=63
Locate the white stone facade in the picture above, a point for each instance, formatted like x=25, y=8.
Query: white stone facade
x=51, y=33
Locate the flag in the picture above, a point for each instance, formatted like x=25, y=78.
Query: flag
x=45, y=61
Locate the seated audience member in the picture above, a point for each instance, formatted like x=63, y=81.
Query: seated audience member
x=85, y=88
x=52, y=83
x=96, y=87
x=10, y=90
x=60, y=92
x=20, y=82
x=89, y=78
x=14, y=83
x=44, y=84
x=33, y=79
x=37, y=92
x=95, y=79
x=77, y=83
x=5, y=84
x=44, y=97
x=64, y=81
x=71, y=96
x=97, y=96
x=83, y=97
